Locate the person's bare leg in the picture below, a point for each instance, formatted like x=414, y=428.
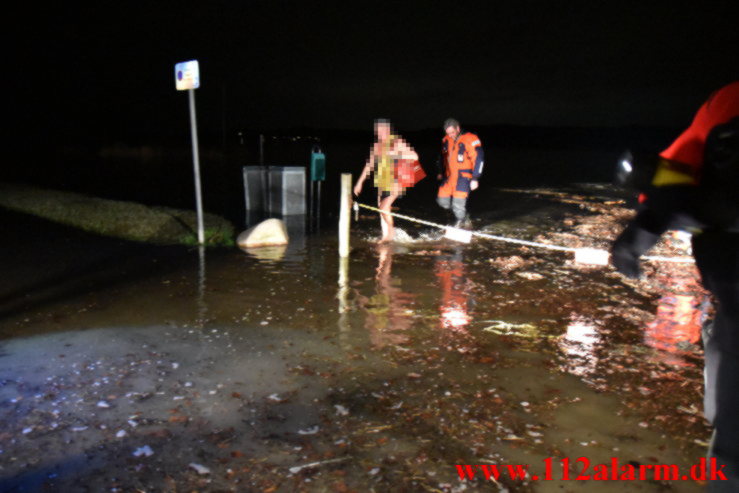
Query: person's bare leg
x=383, y=225
x=388, y=231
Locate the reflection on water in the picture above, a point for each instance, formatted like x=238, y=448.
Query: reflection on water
x=387, y=311
x=680, y=311
x=580, y=343
x=676, y=325
x=202, y=306
x=678, y=319
x=455, y=287
x=343, y=297
x=269, y=253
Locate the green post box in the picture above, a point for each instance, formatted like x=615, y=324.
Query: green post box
x=317, y=164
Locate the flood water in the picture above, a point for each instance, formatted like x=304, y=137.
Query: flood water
x=126, y=367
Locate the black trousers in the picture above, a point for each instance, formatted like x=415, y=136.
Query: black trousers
x=717, y=256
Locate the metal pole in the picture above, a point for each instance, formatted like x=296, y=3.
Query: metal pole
x=266, y=186
x=310, y=204
x=318, y=206
x=196, y=166
x=345, y=214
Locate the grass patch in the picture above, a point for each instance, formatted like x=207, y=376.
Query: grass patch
x=119, y=219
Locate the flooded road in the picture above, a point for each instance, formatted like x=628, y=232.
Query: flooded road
x=131, y=368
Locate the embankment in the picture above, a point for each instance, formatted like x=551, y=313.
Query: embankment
x=119, y=219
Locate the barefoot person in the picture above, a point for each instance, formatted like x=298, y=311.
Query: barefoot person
x=384, y=154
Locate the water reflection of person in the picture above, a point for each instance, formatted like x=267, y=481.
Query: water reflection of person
x=387, y=311
x=680, y=312
x=384, y=153
x=455, y=288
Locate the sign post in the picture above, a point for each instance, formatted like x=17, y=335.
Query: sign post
x=187, y=78
x=317, y=175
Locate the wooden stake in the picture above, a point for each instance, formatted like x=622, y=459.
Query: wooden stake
x=345, y=204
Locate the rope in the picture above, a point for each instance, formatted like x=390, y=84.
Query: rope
x=679, y=260
x=524, y=242
x=474, y=233
x=514, y=240
x=403, y=216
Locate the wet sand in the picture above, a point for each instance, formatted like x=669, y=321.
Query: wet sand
x=125, y=366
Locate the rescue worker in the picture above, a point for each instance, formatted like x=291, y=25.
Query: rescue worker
x=384, y=153
x=695, y=187
x=462, y=160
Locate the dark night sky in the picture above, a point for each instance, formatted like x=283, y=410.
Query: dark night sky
x=108, y=70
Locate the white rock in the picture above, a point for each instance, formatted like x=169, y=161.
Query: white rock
x=267, y=233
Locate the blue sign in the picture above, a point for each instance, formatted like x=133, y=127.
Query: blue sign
x=187, y=75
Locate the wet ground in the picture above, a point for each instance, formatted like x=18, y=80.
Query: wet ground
x=126, y=367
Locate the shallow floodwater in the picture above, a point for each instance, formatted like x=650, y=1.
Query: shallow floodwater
x=165, y=369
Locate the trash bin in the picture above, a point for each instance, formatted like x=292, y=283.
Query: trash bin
x=286, y=190
x=255, y=188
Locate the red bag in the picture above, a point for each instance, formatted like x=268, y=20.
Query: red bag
x=408, y=172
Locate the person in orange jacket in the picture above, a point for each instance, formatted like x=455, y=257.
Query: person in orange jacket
x=462, y=160
x=694, y=187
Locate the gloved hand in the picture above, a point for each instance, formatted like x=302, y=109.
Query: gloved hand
x=629, y=246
